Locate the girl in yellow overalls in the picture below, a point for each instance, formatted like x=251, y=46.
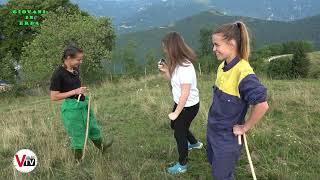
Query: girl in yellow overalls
x=236, y=88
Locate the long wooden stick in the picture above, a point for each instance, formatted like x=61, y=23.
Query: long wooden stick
x=79, y=96
x=248, y=154
x=87, y=128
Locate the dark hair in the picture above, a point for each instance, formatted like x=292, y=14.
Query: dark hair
x=178, y=51
x=239, y=32
x=71, y=51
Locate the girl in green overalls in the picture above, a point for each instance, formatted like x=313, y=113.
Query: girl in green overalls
x=66, y=84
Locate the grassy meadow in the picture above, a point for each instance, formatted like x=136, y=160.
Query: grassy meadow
x=284, y=145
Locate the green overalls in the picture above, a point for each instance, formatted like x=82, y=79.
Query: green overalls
x=74, y=118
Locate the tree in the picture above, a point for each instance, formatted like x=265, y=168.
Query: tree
x=290, y=47
x=13, y=36
x=300, y=62
x=16, y=35
x=208, y=64
x=151, y=62
x=257, y=60
x=205, y=41
x=295, y=67
x=207, y=61
x=131, y=68
x=7, y=71
x=94, y=35
x=280, y=68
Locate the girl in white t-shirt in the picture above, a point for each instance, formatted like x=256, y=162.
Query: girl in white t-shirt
x=179, y=69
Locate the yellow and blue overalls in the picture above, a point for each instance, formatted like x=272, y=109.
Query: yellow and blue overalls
x=236, y=88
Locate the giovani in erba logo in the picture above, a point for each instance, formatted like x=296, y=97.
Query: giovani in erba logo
x=29, y=17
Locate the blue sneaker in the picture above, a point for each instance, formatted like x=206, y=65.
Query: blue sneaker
x=197, y=145
x=177, y=168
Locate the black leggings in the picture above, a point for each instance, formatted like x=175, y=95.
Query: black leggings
x=182, y=133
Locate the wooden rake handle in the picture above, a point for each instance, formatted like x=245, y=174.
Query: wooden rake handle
x=79, y=96
x=248, y=154
x=87, y=128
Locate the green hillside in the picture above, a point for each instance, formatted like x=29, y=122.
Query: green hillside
x=263, y=32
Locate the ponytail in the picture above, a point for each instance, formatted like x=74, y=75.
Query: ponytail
x=244, y=41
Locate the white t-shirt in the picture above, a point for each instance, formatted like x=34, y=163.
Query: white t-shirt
x=185, y=75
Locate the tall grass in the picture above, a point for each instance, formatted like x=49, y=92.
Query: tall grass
x=284, y=145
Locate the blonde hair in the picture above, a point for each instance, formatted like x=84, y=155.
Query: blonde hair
x=239, y=32
x=178, y=51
